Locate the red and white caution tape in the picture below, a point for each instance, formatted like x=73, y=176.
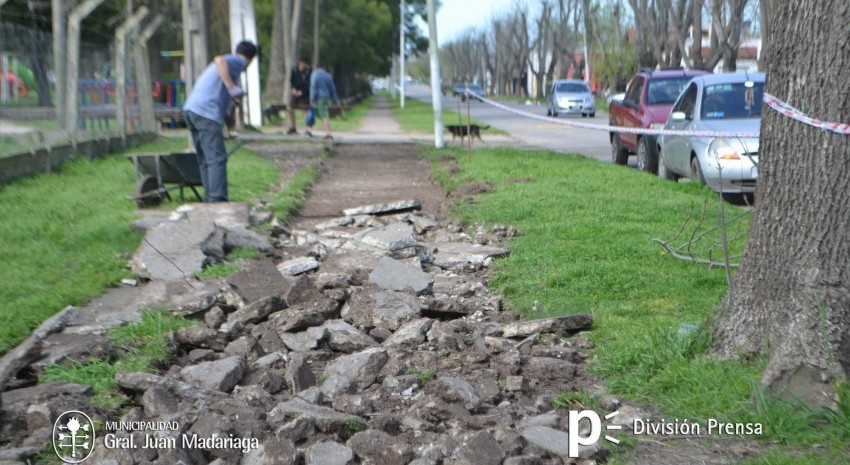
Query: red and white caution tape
x=770, y=100
x=793, y=113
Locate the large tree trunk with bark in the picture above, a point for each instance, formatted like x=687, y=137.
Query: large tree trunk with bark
x=791, y=297
x=277, y=63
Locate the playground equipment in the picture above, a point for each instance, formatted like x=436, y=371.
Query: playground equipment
x=16, y=80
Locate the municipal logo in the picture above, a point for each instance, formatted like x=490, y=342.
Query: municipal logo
x=73, y=436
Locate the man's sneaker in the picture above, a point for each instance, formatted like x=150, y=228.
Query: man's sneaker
x=308, y=135
x=291, y=132
x=329, y=137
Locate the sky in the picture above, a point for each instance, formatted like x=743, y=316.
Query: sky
x=455, y=16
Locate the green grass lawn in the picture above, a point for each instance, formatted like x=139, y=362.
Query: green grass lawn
x=418, y=116
x=351, y=119
x=586, y=247
x=64, y=237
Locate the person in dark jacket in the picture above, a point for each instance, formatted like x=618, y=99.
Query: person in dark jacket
x=322, y=92
x=300, y=82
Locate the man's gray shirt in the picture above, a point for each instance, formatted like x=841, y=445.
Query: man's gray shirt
x=209, y=97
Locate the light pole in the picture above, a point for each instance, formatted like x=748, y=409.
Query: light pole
x=436, y=93
x=401, y=52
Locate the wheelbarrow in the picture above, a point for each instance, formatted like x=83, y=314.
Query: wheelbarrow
x=159, y=173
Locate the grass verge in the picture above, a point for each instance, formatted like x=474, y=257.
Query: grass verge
x=348, y=121
x=419, y=116
x=64, y=236
x=291, y=198
x=587, y=247
x=351, y=119
x=141, y=347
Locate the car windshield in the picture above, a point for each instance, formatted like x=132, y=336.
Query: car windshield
x=666, y=90
x=572, y=87
x=732, y=101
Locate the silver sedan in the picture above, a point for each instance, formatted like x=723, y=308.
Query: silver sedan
x=717, y=103
x=570, y=97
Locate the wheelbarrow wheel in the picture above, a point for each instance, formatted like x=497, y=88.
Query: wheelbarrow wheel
x=148, y=192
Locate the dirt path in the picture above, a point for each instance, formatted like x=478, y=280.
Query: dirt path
x=358, y=175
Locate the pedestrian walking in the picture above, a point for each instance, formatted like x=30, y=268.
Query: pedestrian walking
x=322, y=93
x=300, y=98
x=212, y=98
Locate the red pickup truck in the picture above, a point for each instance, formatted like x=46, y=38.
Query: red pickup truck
x=646, y=104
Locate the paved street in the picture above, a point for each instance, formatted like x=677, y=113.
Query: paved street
x=535, y=133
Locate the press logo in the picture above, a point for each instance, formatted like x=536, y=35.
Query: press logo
x=73, y=436
x=595, y=431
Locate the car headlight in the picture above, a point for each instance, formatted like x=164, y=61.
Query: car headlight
x=588, y=101
x=720, y=149
x=563, y=101
x=656, y=126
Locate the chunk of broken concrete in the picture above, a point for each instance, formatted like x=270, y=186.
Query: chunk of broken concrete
x=391, y=237
x=173, y=250
x=258, y=310
x=258, y=280
x=555, y=441
x=343, y=337
x=305, y=340
x=329, y=453
x=411, y=333
x=235, y=238
x=297, y=266
x=379, y=208
x=324, y=418
x=461, y=254
x=220, y=375
x=397, y=276
x=559, y=325
x=353, y=372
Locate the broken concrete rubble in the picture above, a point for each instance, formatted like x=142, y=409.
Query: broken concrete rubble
x=372, y=359
x=380, y=208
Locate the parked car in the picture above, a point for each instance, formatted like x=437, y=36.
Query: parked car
x=646, y=104
x=720, y=102
x=459, y=90
x=570, y=97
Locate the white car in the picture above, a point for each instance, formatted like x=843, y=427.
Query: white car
x=729, y=102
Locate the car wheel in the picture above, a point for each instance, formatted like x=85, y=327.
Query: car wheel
x=663, y=172
x=696, y=171
x=584, y=115
x=619, y=155
x=548, y=111
x=647, y=155
x=554, y=113
x=593, y=115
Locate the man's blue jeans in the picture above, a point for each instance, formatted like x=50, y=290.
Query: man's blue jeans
x=212, y=157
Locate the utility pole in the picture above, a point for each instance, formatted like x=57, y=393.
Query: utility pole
x=123, y=32
x=436, y=84
x=401, y=51
x=143, y=75
x=72, y=91
x=195, y=40
x=59, y=61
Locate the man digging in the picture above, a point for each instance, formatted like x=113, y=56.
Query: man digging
x=206, y=109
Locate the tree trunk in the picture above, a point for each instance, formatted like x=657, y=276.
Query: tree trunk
x=277, y=63
x=792, y=294
x=316, y=17
x=288, y=63
x=764, y=15
x=696, y=34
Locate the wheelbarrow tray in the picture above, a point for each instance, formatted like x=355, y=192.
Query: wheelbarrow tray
x=155, y=170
